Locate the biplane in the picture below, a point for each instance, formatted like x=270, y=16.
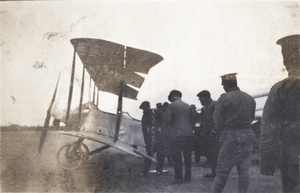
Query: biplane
x=113, y=68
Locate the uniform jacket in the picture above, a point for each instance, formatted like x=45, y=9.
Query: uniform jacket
x=233, y=115
x=280, y=121
x=178, y=120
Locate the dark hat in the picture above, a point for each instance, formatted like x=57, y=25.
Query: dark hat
x=292, y=41
x=166, y=104
x=145, y=104
x=204, y=93
x=175, y=93
x=159, y=105
x=229, y=77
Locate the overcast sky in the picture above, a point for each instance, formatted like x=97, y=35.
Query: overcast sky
x=200, y=41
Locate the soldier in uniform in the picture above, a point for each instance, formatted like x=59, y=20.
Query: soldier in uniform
x=280, y=128
x=234, y=112
x=208, y=130
x=178, y=122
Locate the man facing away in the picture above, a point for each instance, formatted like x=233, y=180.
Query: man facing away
x=208, y=129
x=178, y=124
x=234, y=112
x=280, y=128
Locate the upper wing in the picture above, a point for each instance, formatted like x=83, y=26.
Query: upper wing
x=109, y=63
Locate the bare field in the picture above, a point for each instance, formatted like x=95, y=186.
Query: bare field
x=24, y=170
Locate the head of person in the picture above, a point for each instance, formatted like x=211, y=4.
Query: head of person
x=204, y=97
x=145, y=105
x=166, y=104
x=229, y=81
x=159, y=105
x=174, y=94
x=193, y=106
x=290, y=49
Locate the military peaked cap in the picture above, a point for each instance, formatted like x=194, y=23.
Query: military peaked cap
x=229, y=77
x=290, y=41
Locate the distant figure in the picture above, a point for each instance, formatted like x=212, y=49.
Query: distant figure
x=159, y=137
x=280, y=128
x=148, y=134
x=167, y=151
x=208, y=131
x=234, y=112
x=56, y=124
x=197, y=135
x=178, y=122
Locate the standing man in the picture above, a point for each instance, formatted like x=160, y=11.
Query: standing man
x=280, y=129
x=209, y=132
x=197, y=147
x=148, y=134
x=159, y=137
x=178, y=122
x=233, y=115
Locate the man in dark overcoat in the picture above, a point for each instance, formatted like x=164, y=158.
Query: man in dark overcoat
x=280, y=128
x=179, y=132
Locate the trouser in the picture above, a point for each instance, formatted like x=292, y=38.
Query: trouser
x=213, y=152
x=182, y=145
x=147, y=162
x=212, y=157
x=196, y=148
x=160, y=156
x=289, y=167
x=233, y=154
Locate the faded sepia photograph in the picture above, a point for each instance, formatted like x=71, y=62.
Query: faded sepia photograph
x=150, y=96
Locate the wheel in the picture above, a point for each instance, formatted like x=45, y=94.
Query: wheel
x=72, y=155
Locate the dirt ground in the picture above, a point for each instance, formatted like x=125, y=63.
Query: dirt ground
x=24, y=170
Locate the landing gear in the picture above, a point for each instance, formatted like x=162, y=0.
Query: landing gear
x=72, y=155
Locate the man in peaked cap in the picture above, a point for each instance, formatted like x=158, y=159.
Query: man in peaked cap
x=229, y=80
x=234, y=112
x=280, y=127
x=178, y=123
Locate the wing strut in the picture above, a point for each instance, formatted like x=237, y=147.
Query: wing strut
x=47, y=120
x=71, y=86
x=97, y=97
x=119, y=111
x=81, y=93
x=94, y=93
x=90, y=85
